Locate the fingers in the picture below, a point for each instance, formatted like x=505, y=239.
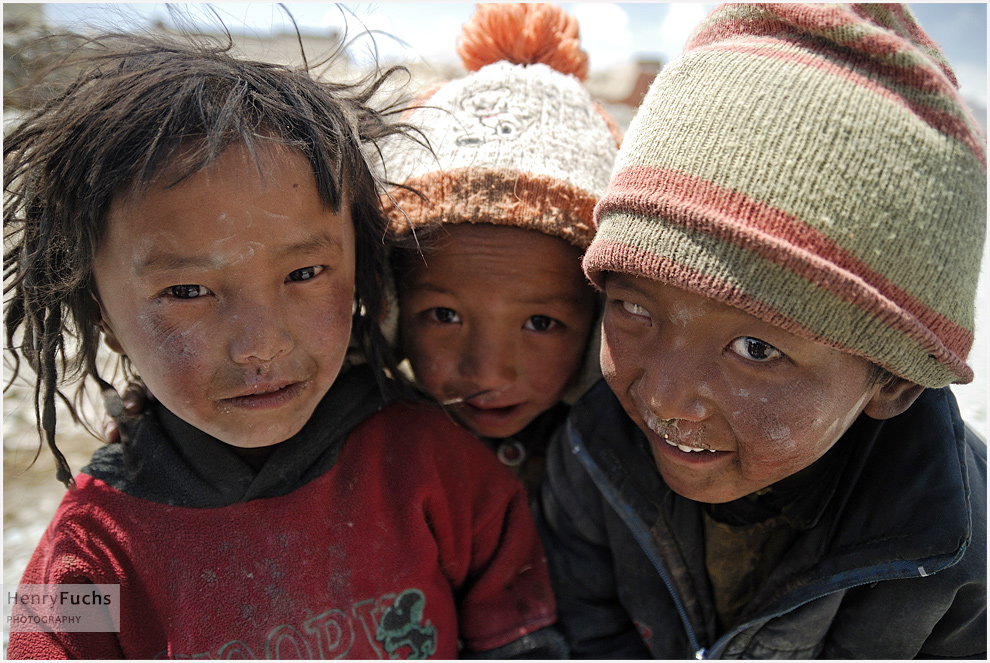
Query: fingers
x=136, y=397
x=111, y=432
x=132, y=403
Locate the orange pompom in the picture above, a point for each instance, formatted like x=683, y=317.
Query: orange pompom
x=523, y=33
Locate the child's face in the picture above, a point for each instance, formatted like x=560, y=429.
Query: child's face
x=769, y=403
x=231, y=293
x=500, y=317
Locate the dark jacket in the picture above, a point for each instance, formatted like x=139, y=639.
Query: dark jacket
x=895, y=566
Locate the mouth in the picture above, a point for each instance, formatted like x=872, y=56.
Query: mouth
x=690, y=455
x=487, y=413
x=687, y=449
x=492, y=419
x=264, y=397
x=483, y=395
x=489, y=410
x=668, y=431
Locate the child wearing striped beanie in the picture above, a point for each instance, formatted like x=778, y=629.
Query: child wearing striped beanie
x=496, y=316
x=789, y=249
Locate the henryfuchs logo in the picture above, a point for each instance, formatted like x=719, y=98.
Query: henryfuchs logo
x=61, y=608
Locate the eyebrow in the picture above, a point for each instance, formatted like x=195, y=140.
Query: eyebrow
x=165, y=261
x=319, y=242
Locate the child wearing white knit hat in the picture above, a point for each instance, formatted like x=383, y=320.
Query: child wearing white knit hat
x=496, y=317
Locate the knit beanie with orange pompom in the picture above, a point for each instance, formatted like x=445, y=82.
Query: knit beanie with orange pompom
x=519, y=142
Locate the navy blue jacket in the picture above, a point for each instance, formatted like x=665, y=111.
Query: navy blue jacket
x=894, y=568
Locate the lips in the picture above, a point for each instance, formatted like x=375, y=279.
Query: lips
x=493, y=421
x=265, y=396
x=687, y=449
x=669, y=433
x=493, y=411
x=684, y=455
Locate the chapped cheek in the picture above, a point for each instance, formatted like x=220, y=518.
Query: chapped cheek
x=174, y=344
x=770, y=442
x=331, y=322
x=779, y=435
x=812, y=435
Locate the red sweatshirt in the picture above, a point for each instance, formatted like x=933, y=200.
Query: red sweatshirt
x=415, y=537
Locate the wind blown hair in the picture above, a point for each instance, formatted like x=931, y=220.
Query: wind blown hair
x=129, y=104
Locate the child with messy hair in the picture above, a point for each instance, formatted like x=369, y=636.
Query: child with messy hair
x=495, y=317
x=218, y=223
x=789, y=247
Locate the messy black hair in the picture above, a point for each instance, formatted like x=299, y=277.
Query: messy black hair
x=133, y=108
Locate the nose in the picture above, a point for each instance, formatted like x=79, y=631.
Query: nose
x=488, y=359
x=675, y=385
x=258, y=333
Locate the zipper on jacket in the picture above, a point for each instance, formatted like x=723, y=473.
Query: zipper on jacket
x=632, y=520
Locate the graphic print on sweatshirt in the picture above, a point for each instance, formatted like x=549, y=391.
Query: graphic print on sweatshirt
x=392, y=625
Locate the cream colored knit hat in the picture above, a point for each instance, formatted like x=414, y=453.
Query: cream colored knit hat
x=517, y=142
x=814, y=166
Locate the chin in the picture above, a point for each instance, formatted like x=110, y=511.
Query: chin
x=252, y=438
x=696, y=492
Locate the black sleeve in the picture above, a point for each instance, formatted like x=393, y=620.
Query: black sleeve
x=962, y=631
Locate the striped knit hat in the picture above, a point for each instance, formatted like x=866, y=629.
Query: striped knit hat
x=814, y=166
x=516, y=143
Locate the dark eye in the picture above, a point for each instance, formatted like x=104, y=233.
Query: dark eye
x=444, y=315
x=186, y=291
x=305, y=273
x=540, y=323
x=754, y=349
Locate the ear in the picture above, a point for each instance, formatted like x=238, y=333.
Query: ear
x=893, y=399
x=111, y=339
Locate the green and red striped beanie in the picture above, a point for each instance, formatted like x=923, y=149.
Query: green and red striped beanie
x=814, y=166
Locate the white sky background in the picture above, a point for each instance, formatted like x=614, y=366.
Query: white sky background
x=611, y=33
x=430, y=29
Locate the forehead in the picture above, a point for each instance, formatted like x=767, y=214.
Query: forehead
x=489, y=257
x=238, y=204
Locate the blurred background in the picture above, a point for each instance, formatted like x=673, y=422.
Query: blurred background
x=627, y=45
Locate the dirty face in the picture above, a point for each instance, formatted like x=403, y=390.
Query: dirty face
x=231, y=293
x=751, y=404
x=497, y=320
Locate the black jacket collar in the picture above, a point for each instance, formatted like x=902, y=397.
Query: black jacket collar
x=178, y=464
